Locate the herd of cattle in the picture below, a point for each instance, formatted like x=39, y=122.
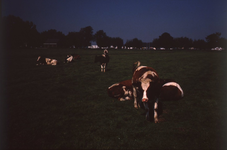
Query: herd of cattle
x=146, y=88
x=49, y=61
x=102, y=59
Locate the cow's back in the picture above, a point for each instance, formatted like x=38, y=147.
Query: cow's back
x=115, y=90
x=171, y=91
x=127, y=83
x=143, y=72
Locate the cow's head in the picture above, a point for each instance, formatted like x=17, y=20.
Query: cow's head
x=105, y=51
x=146, y=90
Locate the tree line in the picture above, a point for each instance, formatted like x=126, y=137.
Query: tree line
x=18, y=33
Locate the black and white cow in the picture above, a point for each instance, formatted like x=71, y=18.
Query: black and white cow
x=46, y=61
x=103, y=60
x=72, y=57
x=122, y=90
x=145, y=82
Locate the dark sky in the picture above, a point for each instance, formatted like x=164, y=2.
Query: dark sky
x=127, y=19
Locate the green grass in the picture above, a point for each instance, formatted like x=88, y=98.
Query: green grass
x=67, y=106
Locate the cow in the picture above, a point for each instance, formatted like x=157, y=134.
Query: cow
x=144, y=83
x=122, y=90
x=169, y=90
x=72, y=57
x=103, y=60
x=46, y=61
x=69, y=58
x=76, y=56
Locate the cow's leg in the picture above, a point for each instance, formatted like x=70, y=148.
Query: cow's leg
x=101, y=68
x=147, y=110
x=135, y=97
x=121, y=99
x=156, y=111
x=104, y=67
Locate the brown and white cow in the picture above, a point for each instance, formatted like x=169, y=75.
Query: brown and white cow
x=122, y=90
x=169, y=90
x=145, y=82
x=103, y=60
x=46, y=61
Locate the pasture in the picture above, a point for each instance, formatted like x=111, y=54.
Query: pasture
x=67, y=106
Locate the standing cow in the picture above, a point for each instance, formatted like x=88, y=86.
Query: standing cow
x=122, y=90
x=144, y=83
x=103, y=60
x=46, y=61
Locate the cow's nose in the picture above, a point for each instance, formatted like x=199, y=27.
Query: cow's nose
x=144, y=100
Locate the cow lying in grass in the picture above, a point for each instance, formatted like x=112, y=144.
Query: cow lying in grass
x=72, y=57
x=122, y=90
x=169, y=90
x=46, y=61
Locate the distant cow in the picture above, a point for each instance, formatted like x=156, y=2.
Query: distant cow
x=169, y=90
x=122, y=90
x=72, y=57
x=144, y=83
x=103, y=60
x=76, y=56
x=46, y=61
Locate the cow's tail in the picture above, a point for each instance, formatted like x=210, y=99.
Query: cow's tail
x=135, y=66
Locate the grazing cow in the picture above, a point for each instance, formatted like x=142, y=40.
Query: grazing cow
x=144, y=82
x=46, y=61
x=72, y=57
x=103, y=59
x=122, y=90
x=169, y=90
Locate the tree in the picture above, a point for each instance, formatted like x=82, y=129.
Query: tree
x=134, y=43
x=213, y=39
x=19, y=33
x=156, y=43
x=183, y=42
x=166, y=40
x=223, y=43
x=53, y=34
x=102, y=40
x=117, y=42
x=201, y=44
x=73, y=38
x=86, y=35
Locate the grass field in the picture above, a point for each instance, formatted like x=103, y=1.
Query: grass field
x=67, y=106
